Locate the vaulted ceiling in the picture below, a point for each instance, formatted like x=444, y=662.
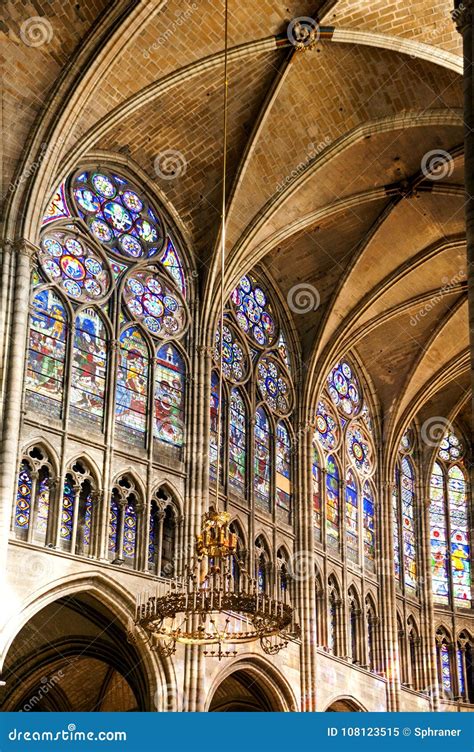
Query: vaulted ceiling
x=333, y=179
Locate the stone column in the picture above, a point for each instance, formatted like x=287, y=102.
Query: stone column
x=15, y=368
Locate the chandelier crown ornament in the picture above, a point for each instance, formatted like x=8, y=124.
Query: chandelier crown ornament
x=215, y=539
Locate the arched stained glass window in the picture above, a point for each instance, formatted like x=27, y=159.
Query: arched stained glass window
x=89, y=365
x=408, y=520
x=237, y=442
x=71, y=262
x=327, y=429
x=352, y=517
x=23, y=497
x=262, y=459
x=150, y=299
x=439, y=538
x=132, y=384
x=459, y=528
x=369, y=526
x=316, y=483
x=169, y=396
x=47, y=350
x=172, y=262
x=332, y=501
x=217, y=413
x=283, y=467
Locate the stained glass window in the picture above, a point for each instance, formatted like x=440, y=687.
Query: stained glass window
x=216, y=414
x=261, y=574
x=459, y=529
x=283, y=467
x=316, y=482
x=235, y=365
x=327, y=430
x=352, y=517
x=237, y=442
x=253, y=312
x=344, y=388
x=89, y=363
x=87, y=522
x=283, y=350
x=451, y=448
x=67, y=511
x=262, y=459
x=169, y=396
x=170, y=260
x=369, y=525
x=396, y=532
x=132, y=382
x=69, y=260
x=42, y=506
x=117, y=214
x=446, y=678
x=151, y=300
x=113, y=527
x=358, y=449
x=47, y=347
x=460, y=667
x=129, y=531
x=23, y=497
x=438, y=536
x=332, y=501
x=57, y=207
x=274, y=386
x=408, y=522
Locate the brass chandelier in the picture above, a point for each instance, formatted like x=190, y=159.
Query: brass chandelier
x=217, y=604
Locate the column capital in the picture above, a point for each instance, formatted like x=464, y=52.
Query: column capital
x=462, y=15
x=23, y=247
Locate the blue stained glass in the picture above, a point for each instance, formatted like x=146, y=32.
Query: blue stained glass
x=462, y=684
x=67, y=511
x=344, y=388
x=327, y=430
x=23, y=497
x=274, y=386
x=352, y=517
x=237, y=441
x=283, y=467
x=118, y=215
x=113, y=526
x=169, y=396
x=47, y=346
x=129, y=531
x=216, y=414
x=262, y=458
x=332, y=501
x=446, y=668
x=396, y=532
x=152, y=301
x=253, y=312
x=57, y=207
x=69, y=261
x=87, y=522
